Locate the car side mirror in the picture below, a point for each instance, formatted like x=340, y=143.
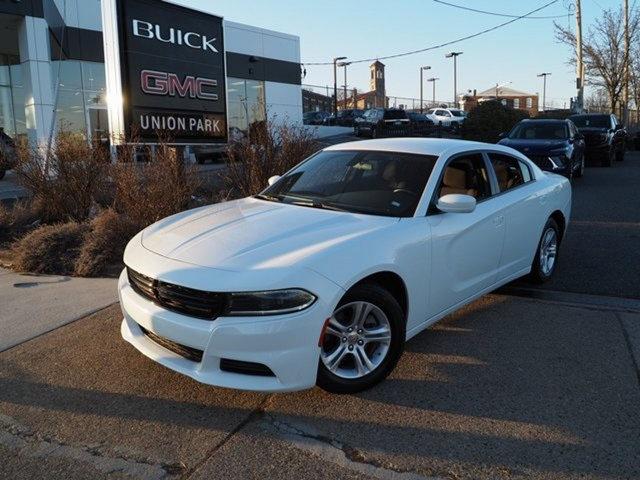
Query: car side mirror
x=274, y=179
x=502, y=135
x=456, y=203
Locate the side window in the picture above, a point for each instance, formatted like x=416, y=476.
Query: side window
x=466, y=175
x=510, y=171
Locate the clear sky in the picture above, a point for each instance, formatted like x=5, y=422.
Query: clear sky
x=363, y=29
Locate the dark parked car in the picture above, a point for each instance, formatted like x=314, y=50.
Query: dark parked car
x=383, y=122
x=345, y=118
x=420, y=124
x=315, y=118
x=553, y=145
x=604, y=136
x=7, y=153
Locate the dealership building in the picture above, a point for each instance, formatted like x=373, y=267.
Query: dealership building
x=52, y=70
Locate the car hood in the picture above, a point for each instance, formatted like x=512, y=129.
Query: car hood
x=534, y=146
x=253, y=234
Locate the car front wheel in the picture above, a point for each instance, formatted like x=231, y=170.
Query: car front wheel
x=2, y=173
x=362, y=341
x=620, y=154
x=544, y=263
x=580, y=171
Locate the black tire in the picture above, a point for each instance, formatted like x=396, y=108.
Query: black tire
x=620, y=154
x=374, y=132
x=538, y=275
x=607, y=160
x=2, y=173
x=381, y=298
x=356, y=131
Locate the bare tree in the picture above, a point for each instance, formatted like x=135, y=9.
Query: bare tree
x=604, y=53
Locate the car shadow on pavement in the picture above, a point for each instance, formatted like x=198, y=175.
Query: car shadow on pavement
x=504, y=387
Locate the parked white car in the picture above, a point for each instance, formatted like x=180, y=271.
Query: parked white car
x=322, y=277
x=447, y=117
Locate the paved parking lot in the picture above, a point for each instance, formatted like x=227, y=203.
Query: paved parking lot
x=510, y=387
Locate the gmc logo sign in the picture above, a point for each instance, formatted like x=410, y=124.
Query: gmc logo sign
x=169, y=84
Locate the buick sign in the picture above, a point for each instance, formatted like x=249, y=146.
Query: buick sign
x=172, y=70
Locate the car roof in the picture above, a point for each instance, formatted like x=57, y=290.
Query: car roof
x=420, y=146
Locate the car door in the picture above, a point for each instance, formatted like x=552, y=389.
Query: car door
x=519, y=202
x=465, y=247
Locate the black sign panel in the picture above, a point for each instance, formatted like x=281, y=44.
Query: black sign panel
x=173, y=72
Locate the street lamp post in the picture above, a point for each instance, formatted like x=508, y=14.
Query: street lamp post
x=335, y=85
x=433, y=80
x=455, y=55
x=544, y=89
x=422, y=69
x=345, y=65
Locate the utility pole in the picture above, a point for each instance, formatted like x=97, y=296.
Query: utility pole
x=544, y=89
x=627, y=59
x=579, y=62
x=345, y=65
x=433, y=80
x=455, y=55
x=335, y=86
x=422, y=69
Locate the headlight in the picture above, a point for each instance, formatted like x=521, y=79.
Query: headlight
x=558, y=161
x=273, y=302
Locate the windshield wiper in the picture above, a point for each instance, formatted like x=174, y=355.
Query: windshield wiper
x=269, y=198
x=318, y=204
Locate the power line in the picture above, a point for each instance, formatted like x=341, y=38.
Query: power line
x=500, y=14
x=435, y=47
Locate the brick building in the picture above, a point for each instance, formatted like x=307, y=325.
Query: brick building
x=507, y=96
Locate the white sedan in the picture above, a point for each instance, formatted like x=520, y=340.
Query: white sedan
x=322, y=277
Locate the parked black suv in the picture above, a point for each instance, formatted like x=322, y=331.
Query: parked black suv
x=383, y=122
x=7, y=153
x=420, y=124
x=345, y=118
x=604, y=136
x=553, y=145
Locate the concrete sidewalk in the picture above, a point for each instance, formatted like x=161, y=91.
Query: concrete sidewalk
x=506, y=388
x=31, y=305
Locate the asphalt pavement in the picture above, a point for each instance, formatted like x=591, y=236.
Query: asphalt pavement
x=506, y=388
x=601, y=252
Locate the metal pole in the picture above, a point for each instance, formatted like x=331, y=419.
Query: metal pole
x=455, y=79
x=421, y=91
x=345, y=85
x=335, y=85
x=579, y=63
x=434, y=92
x=335, y=88
x=544, y=94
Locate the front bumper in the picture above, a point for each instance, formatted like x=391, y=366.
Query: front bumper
x=286, y=344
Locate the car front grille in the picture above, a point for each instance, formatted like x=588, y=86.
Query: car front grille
x=188, y=301
x=189, y=353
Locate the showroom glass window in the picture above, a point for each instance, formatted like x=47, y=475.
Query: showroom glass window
x=81, y=93
x=246, y=104
x=12, y=102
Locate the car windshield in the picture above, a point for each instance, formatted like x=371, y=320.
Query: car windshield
x=593, y=121
x=540, y=131
x=370, y=182
x=456, y=113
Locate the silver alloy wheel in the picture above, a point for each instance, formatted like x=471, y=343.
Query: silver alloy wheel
x=548, y=251
x=356, y=340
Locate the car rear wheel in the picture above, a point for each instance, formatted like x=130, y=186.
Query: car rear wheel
x=545, y=260
x=362, y=341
